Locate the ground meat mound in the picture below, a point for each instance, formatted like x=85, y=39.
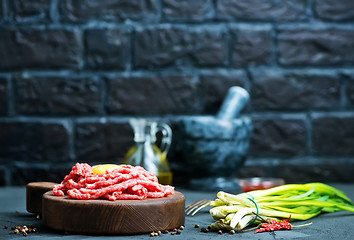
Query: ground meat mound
x=123, y=183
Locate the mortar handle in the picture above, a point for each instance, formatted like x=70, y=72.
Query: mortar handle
x=234, y=102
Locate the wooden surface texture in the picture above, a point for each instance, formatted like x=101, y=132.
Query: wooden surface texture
x=120, y=217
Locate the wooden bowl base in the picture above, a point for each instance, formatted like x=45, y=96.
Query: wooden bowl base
x=120, y=217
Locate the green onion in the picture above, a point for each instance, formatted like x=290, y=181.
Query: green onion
x=300, y=201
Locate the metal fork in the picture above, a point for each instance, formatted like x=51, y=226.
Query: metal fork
x=196, y=206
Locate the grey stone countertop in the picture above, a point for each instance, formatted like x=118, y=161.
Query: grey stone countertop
x=338, y=225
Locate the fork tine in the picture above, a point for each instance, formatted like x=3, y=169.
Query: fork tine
x=200, y=207
x=196, y=206
x=196, y=203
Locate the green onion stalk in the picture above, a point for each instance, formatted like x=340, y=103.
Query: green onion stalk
x=295, y=201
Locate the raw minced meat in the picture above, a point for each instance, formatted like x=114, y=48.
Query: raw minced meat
x=123, y=183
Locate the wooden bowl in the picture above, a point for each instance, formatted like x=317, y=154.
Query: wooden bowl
x=34, y=193
x=120, y=217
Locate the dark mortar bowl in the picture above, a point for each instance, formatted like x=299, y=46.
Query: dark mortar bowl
x=214, y=150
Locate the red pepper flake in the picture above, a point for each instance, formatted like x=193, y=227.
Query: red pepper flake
x=275, y=225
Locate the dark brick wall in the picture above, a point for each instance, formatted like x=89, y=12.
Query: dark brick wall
x=72, y=72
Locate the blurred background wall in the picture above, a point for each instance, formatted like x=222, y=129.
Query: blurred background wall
x=72, y=72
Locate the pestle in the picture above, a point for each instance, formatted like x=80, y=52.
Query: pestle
x=224, y=124
x=234, y=102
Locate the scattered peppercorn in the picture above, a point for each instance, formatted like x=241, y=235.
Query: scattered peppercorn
x=24, y=230
x=205, y=230
x=165, y=231
x=6, y=227
x=232, y=231
x=196, y=226
x=17, y=211
x=172, y=233
x=38, y=216
x=220, y=231
x=159, y=233
x=179, y=232
x=181, y=227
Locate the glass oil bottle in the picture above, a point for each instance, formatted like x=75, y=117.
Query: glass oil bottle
x=145, y=151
